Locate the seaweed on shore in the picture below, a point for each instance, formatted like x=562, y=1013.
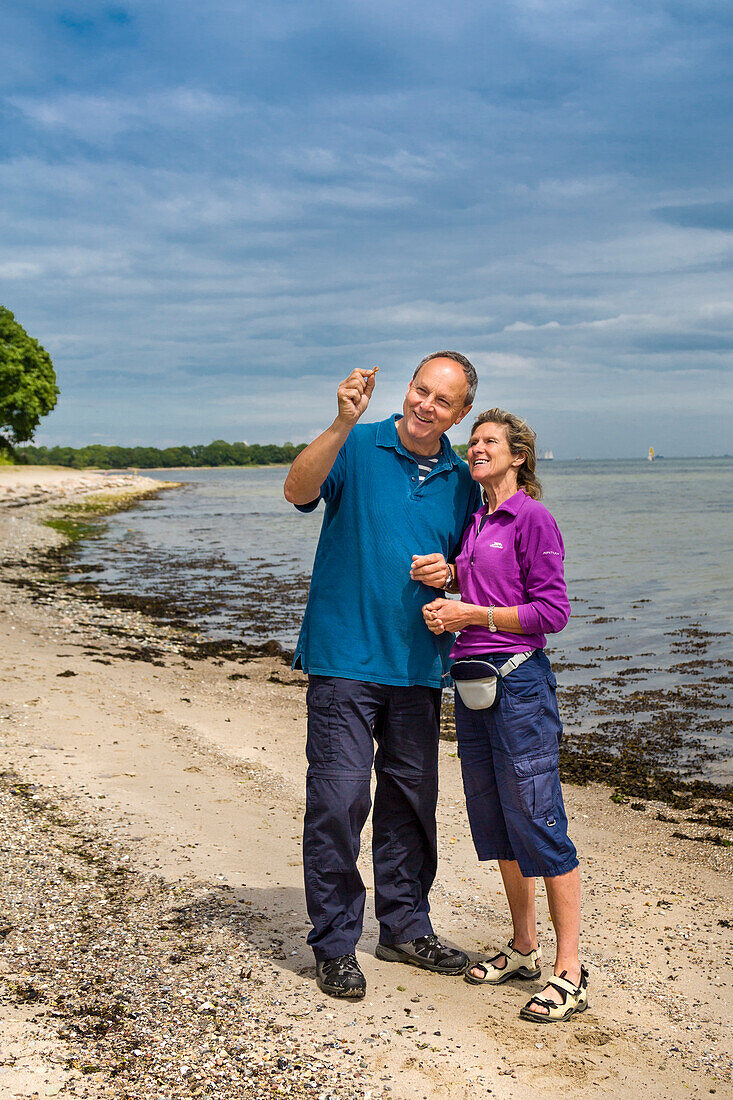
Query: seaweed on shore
x=654, y=759
x=80, y=519
x=650, y=744
x=73, y=530
x=638, y=763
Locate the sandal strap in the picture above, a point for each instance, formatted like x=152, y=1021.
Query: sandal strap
x=509, y=950
x=524, y=954
x=565, y=987
x=562, y=985
x=544, y=1002
x=494, y=958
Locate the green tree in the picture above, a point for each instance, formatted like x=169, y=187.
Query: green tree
x=218, y=453
x=28, y=389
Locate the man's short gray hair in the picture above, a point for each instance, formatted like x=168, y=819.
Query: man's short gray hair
x=468, y=369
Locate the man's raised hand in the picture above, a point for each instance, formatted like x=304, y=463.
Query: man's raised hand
x=354, y=394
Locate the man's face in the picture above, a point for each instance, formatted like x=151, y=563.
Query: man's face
x=434, y=403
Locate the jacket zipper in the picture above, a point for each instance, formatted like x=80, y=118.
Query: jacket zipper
x=481, y=523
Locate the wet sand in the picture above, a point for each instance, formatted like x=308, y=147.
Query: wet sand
x=153, y=924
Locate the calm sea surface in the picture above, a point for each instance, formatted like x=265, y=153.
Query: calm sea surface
x=648, y=564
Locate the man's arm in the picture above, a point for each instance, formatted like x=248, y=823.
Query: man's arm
x=313, y=465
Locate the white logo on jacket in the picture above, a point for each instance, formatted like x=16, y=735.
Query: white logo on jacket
x=496, y=546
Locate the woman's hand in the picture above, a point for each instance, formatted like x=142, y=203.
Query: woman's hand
x=452, y=615
x=432, y=621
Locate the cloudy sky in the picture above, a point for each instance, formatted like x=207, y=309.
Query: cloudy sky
x=211, y=212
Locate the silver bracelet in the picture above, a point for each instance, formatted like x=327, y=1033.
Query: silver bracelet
x=492, y=625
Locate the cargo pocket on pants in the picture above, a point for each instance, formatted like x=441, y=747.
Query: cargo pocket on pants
x=538, y=784
x=321, y=745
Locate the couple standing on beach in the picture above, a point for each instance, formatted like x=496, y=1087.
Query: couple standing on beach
x=406, y=520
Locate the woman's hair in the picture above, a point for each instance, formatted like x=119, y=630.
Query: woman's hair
x=521, y=439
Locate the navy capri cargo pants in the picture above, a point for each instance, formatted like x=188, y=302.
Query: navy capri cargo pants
x=346, y=719
x=509, y=760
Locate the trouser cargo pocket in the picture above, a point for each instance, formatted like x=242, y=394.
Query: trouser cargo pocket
x=538, y=784
x=321, y=744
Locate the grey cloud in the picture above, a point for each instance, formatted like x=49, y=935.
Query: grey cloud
x=701, y=215
x=684, y=342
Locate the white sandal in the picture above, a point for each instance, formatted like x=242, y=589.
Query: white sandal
x=517, y=965
x=574, y=999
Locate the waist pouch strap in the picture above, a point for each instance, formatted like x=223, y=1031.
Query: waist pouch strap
x=514, y=662
x=478, y=682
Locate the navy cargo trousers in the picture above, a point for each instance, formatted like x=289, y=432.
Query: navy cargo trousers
x=346, y=719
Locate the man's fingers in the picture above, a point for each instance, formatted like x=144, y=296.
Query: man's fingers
x=352, y=391
x=363, y=376
x=430, y=569
x=356, y=378
x=358, y=385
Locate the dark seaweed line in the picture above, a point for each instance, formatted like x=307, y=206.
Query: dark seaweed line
x=617, y=757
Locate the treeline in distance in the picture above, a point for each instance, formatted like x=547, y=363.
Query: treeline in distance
x=218, y=453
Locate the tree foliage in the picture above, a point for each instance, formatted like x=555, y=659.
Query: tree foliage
x=218, y=453
x=28, y=389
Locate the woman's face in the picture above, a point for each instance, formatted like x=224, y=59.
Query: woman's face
x=489, y=457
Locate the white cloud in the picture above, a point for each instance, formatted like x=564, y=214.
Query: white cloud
x=100, y=118
x=19, y=269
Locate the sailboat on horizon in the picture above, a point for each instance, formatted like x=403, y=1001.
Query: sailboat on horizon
x=650, y=456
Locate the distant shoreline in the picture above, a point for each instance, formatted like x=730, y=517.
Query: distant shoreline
x=107, y=456
x=459, y=448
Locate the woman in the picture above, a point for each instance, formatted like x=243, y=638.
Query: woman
x=510, y=576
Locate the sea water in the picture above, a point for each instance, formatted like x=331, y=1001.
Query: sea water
x=648, y=563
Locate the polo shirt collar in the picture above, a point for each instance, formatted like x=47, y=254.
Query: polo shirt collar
x=512, y=505
x=387, y=437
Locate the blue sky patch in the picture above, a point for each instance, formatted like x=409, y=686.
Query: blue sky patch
x=211, y=214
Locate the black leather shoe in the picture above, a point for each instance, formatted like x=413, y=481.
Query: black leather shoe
x=341, y=977
x=427, y=952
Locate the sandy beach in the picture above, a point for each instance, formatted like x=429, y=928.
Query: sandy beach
x=153, y=922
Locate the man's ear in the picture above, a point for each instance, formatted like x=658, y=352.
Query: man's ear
x=464, y=412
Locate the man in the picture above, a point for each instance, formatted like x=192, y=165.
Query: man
x=397, y=500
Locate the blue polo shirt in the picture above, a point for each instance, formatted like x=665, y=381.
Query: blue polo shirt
x=364, y=618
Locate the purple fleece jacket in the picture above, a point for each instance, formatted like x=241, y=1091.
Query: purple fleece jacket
x=515, y=559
